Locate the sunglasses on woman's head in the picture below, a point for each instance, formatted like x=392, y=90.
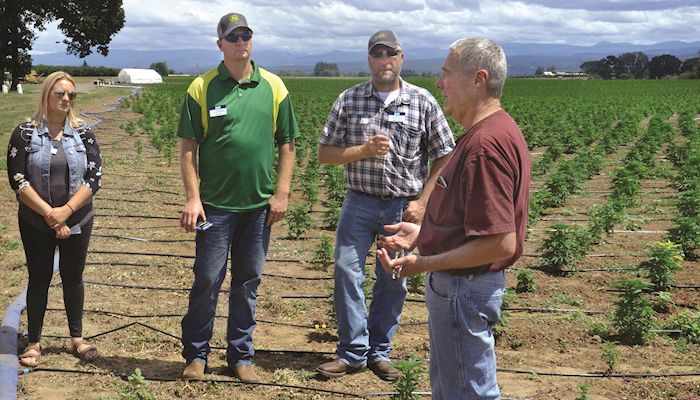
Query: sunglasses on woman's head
x=60, y=92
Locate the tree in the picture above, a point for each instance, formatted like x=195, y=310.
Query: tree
x=598, y=68
x=633, y=65
x=85, y=64
x=539, y=71
x=326, y=69
x=85, y=23
x=691, y=68
x=665, y=65
x=553, y=68
x=161, y=67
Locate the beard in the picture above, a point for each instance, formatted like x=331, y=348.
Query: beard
x=384, y=77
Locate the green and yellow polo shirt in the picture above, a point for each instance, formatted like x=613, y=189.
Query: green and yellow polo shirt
x=238, y=126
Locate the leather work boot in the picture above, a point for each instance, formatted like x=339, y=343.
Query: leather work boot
x=336, y=368
x=246, y=373
x=384, y=370
x=194, y=370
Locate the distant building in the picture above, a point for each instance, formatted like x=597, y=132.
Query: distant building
x=135, y=75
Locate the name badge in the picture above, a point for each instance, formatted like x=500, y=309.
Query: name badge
x=54, y=150
x=217, y=111
x=397, y=117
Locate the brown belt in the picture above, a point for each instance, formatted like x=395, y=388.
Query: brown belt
x=481, y=269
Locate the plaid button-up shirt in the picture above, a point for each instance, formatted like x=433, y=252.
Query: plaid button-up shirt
x=416, y=128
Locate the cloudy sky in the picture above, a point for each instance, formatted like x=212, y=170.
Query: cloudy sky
x=311, y=26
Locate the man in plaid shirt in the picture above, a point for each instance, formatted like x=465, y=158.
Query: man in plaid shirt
x=384, y=131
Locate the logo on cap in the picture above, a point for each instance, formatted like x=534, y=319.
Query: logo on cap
x=233, y=18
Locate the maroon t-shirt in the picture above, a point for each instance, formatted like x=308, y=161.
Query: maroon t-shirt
x=483, y=190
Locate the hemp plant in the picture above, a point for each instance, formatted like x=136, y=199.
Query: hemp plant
x=323, y=254
x=566, y=244
x=634, y=315
x=137, y=389
x=610, y=356
x=298, y=221
x=526, y=281
x=411, y=370
x=663, y=262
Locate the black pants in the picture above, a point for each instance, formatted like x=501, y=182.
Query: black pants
x=39, y=247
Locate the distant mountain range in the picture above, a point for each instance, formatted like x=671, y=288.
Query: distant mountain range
x=523, y=58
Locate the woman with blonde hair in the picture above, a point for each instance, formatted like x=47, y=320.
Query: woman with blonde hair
x=54, y=166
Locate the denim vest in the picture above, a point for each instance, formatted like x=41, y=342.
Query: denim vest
x=39, y=159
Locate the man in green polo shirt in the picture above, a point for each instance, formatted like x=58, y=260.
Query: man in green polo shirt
x=234, y=117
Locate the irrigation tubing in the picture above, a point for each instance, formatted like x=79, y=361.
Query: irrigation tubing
x=207, y=380
x=506, y=370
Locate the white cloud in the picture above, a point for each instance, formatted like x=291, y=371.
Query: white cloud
x=311, y=26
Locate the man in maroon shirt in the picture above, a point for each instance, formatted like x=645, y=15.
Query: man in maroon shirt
x=474, y=225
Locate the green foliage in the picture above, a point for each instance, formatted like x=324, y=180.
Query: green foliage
x=689, y=325
x=634, y=316
x=610, y=356
x=500, y=328
x=604, y=218
x=526, y=281
x=662, y=302
x=298, y=221
x=584, y=389
x=327, y=69
x=686, y=233
x=663, y=262
x=44, y=70
x=10, y=244
x=411, y=370
x=161, y=67
x=137, y=389
x=600, y=328
x=566, y=244
x=416, y=283
x=323, y=253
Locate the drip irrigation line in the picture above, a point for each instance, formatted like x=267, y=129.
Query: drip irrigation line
x=600, y=375
x=153, y=191
x=136, y=201
x=134, y=264
x=554, y=310
x=602, y=255
x=125, y=377
x=144, y=287
x=614, y=231
x=137, y=253
x=135, y=216
x=144, y=240
x=140, y=227
x=685, y=286
x=307, y=278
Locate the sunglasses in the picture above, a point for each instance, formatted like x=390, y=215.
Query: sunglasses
x=233, y=37
x=391, y=53
x=60, y=92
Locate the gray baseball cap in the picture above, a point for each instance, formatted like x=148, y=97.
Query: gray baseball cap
x=229, y=22
x=387, y=38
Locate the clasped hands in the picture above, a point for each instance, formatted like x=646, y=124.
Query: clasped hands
x=405, y=238
x=56, y=219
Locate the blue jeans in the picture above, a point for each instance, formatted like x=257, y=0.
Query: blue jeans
x=247, y=237
x=362, y=337
x=462, y=311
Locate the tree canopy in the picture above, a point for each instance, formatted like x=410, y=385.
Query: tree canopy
x=86, y=24
x=327, y=69
x=161, y=67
